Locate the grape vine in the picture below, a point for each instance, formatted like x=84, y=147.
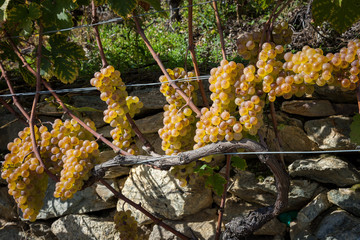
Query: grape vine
x=68, y=151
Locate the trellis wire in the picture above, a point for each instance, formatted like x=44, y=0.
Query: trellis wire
x=118, y=19
x=87, y=89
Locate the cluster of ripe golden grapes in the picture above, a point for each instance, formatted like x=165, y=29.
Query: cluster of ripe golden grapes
x=248, y=43
x=217, y=123
x=27, y=181
x=179, y=119
x=126, y=225
x=311, y=67
x=113, y=91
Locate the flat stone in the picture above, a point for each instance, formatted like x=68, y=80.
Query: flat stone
x=152, y=98
x=40, y=230
x=236, y=207
x=299, y=232
x=326, y=169
x=308, y=108
x=330, y=133
x=46, y=108
x=313, y=209
x=7, y=205
x=104, y=193
x=159, y=192
x=150, y=124
x=346, y=109
x=338, y=225
x=346, y=199
x=292, y=138
x=83, y=227
x=273, y=227
x=83, y=201
x=202, y=224
x=283, y=119
x=11, y=232
x=10, y=132
x=335, y=94
x=248, y=188
x=92, y=101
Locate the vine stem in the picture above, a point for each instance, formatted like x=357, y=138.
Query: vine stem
x=218, y=23
x=15, y=99
x=148, y=147
x=161, y=65
x=143, y=210
x=97, y=35
x=66, y=110
x=33, y=109
x=147, y=144
x=277, y=138
x=193, y=54
x=268, y=33
x=358, y=96
x=223, y=198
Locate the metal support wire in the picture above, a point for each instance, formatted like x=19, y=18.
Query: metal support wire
x=87, y=89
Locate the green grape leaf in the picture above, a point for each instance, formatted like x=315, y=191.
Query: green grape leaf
x=34, y=11
x=204, y=170
x=340, y=14
x=355, y=129
x=27, y=76
x=66, y=70
x=3, y=9
x=122, y=8
x=55, y=14
x=61, y=47
x=239, y=163
x=216, y=181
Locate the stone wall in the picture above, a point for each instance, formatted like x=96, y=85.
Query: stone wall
x=320, y=193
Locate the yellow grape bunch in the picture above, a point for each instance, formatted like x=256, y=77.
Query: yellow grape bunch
x=24, y=173
x=248, y=43
x=179, y=119
x=311, y=67
x=217, y=122
x=113, y=91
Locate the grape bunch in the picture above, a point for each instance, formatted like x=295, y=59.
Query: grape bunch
x=77, y=151
x=217, y=123
x=248, y=43
x=27, y=181
x=126, y=225
x=179, y=120
x=113, y=91
x=23, y=172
